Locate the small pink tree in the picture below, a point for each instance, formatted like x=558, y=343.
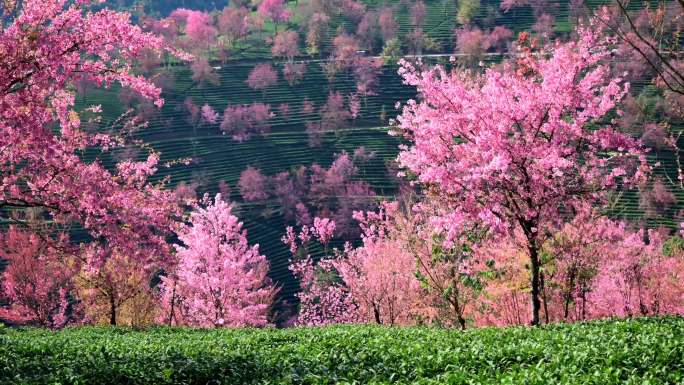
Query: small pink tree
x=293, y=72
x=37, y=282
x=317, y=27
x=220, y=280
x=253, y=184
x=323, y=300
x=209, y=115
x=512, y=148
x=286, y=45
x=381, y=274
x=262, y=76
x=241, y=122
x=274, y=10
x=203, y=72
x=334, y=115
x=418, y=12
x=388, y=24
x=233, y=23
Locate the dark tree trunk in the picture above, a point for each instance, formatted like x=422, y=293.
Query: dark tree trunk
x=376, y=314
x=112, y=310
x=543, y=290
x=534, y=259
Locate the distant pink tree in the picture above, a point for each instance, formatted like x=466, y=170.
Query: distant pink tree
x=293, y=72
x=194, y=112
x=243, y=121
x=418, y=12
x=354, y=106
x=37, y=282
x=656, y=200
x=262, y=76
x=286, y=45
x=345, y=50
x=303, y=217
x=544, y=25
x=314, y=133
x=233, y=23
x=209, y=115
x=203, y=72
x=638, y=279
x=253, y=185
x=366, y=72
x=317, y=27
x=334, y=115
x=472, y=43
x=284, y=109
x=388, y=23
x=367, y=30
x=224, y=190
x=274, y=10
x=499, y=37
x=520, y=180
x=353, y=9
x=308, y=106
x=220, y=280
x=199, y=28
x=186, y=193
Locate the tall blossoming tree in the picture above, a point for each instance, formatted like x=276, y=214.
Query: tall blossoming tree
x=515, y=148
x=220, y=281
x=47, y=47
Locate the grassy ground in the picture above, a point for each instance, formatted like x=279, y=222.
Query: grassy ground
x=637, y=351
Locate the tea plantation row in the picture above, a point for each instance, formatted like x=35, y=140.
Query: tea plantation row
x=638, y=351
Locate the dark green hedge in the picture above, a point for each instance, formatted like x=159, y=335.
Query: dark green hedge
x=641, y=351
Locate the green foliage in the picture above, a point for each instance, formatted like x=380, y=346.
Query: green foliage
x=673, y=246
x=467, y=10
x=635, y=351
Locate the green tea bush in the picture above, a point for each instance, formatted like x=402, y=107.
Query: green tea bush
x=637, y=351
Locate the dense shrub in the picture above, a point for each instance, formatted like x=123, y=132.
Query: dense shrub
x=604, y=352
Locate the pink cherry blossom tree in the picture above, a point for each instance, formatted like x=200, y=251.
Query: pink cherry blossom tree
x=203, y=72
x=243, y=121
x=316, y=32
x=209, y=115
x=381, y=274
x=47, y=47
x=293, y=72
x=274, y=10
x=37, y=282
x=262, y=76
x=388, y=24
x=512, y=148
x=323, y=299
x=233, y=23
x=418, y=12
x=220, y=280
x=286, y=45
x=253, y=185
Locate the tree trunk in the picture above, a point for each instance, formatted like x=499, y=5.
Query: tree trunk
x=376, y=314
x=534, y=259
x=173, y=303
x=543, y=290
x=112, y=310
